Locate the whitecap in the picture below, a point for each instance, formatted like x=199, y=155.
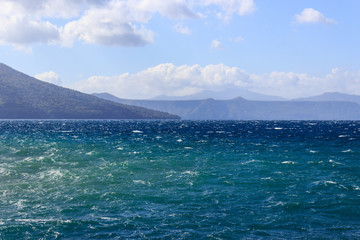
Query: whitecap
x=279, y=204
x=191, y=173
x=42, y=220
x=315, y=183
x=90, y=153
x=267, y=178
x=51, y=174
x=329, y=182
x=55, y=173
x=332, y=161
x=4, y=171
x=109, y=218
x=19, y=204
x=278, y=128
x=276, y=204
x=28, y=159
x=288, y=162
x=137, y=131
x=342, y=136
x=348, y=150
x=247, y=162
x=228, y=182
x=179, y=140
x=313, y=151
x=141, y=182
x=188, y=148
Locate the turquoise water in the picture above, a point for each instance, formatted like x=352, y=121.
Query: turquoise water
x=179, y=180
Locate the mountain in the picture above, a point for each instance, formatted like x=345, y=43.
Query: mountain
x=242, y=109
x=334, y=97
x=226, y=94
x=24, y=97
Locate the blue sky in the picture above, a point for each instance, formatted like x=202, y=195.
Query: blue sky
x=143, y=48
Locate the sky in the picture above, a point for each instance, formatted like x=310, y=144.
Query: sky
x=145, y=48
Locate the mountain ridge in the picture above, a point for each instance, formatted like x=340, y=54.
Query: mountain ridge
x=242, y=109
x=226, y=94
x=25, y=97
x=332, y=96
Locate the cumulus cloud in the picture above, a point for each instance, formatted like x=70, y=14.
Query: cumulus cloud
x=166, y=79
x=105, y=22
x=183, y=80
x=113, y=25
x=18, y=29
x=50, y=77
x=309, y=15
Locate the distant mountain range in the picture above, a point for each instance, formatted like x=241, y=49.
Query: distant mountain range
x=24, y=97
x=242, y=109
x=333, y=97
x=226, y=94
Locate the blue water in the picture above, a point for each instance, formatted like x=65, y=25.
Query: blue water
x=179, y=180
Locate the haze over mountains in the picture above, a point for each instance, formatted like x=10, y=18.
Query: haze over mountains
x=243, y=109
x=226, y=94
x=24, y=97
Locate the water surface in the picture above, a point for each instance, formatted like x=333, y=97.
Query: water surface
x=179, y=180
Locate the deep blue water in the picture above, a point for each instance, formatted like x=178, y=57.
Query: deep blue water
x=179, y=180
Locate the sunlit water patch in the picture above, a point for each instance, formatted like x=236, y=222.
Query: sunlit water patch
x=179, y=180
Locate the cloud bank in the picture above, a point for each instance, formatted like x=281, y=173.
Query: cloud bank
x=183, y=80
x=106, y=22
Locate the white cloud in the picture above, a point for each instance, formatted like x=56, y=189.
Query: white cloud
x=182, y=29
x=112, y=25
x=174, y=9
x=105, y=22
x=216, y=44
x=51, y=77
x=309, y=15
x=18, y=29
x=165, y=79
x=230, y=7
x=184, y=80
x=51, y=8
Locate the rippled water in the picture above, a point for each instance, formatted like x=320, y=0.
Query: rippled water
x=179, y=180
